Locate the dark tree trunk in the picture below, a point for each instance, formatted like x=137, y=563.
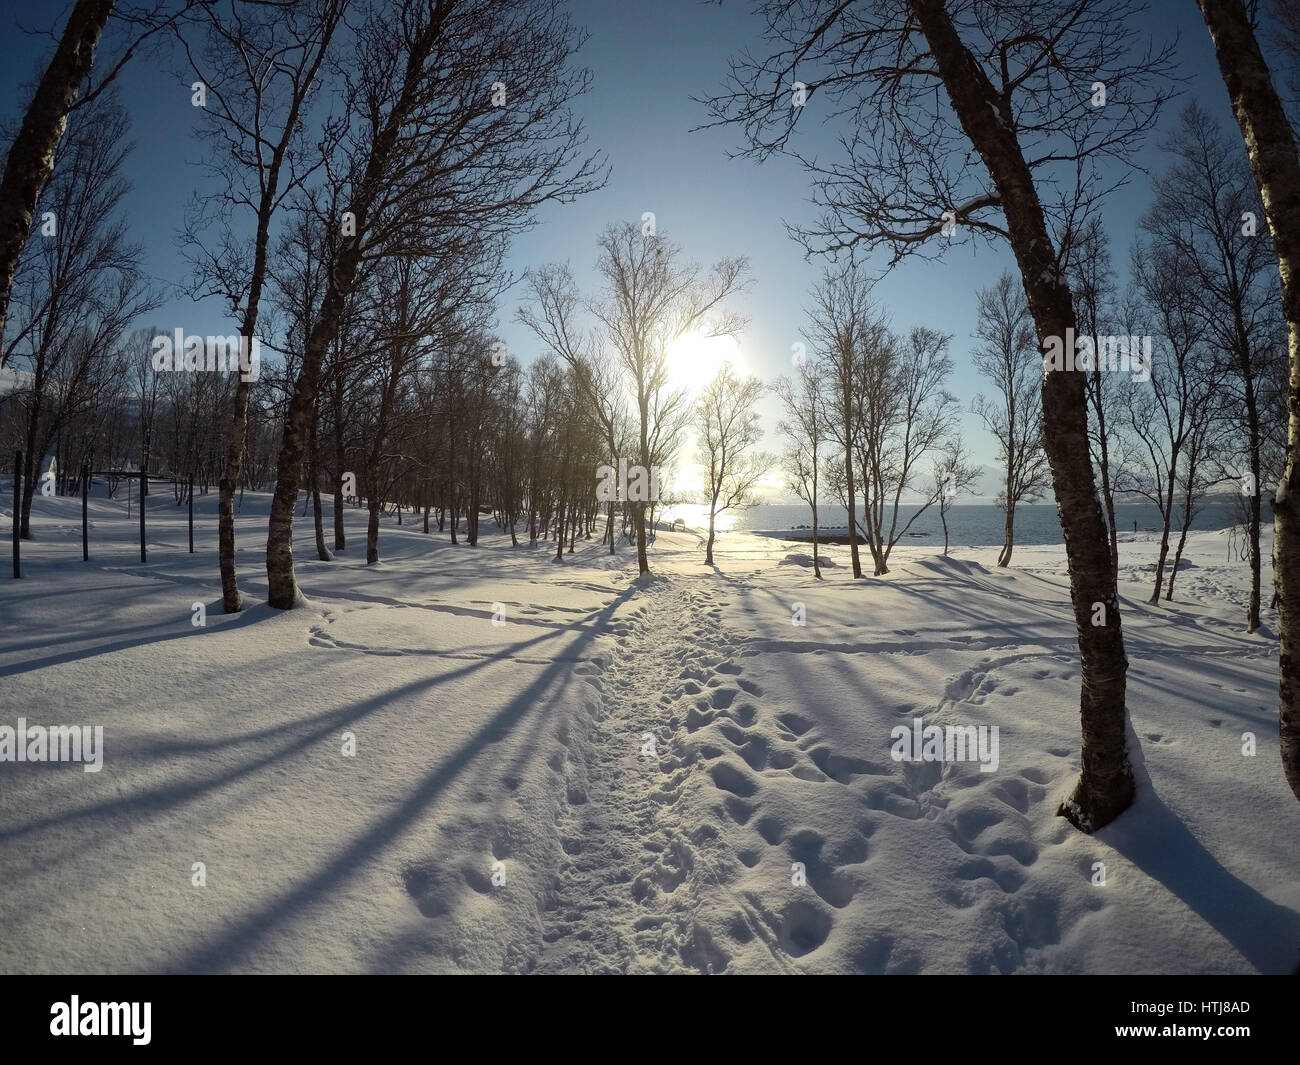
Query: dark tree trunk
x=322, y=552
x=1167, y=516
x=708, y=550
x=638, y=509
x=31, y=155
x=340, y=460
x=1178, y=553
x=31, y=460
x=846, y=386
x=372, y=527
x=1106, y=787
x=817, y=562
x=1275, y=164
x=1103, y=465
x=283, y=588
x=1008, y=530
x=1252, y=424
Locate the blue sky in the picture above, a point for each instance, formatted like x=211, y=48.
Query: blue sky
x=648, y=59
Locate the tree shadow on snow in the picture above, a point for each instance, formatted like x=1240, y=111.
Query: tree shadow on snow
x=1155, y=839
x=224, y=952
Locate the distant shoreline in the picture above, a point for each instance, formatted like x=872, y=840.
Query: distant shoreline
x=841, y=534
x=970, y=524
x=838, y=535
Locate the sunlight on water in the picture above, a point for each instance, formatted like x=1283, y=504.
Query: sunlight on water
x=696, y=516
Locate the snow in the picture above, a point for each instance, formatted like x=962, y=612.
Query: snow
x=643, y=761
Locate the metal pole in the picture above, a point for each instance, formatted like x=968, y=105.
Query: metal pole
x=140, y=498
x=144, y=488
x=18, y=503
x=191, y=513
x=85, y=521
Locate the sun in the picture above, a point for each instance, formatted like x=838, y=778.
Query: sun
x=695, y=358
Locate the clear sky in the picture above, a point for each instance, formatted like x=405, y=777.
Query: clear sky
x=648, y=58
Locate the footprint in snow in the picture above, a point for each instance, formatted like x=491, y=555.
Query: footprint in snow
x=794, y=723
x=729, y=778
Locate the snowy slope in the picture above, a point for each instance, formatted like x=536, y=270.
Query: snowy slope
x=641, y=761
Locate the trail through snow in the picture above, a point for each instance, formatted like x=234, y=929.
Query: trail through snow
x=629, y=892
x=661, y=774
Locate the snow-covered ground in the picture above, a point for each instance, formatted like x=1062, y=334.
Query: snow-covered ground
x=623, y=775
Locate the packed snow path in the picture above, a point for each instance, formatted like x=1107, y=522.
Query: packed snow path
x=629, y=893
x=557, y=767
x=686, y=860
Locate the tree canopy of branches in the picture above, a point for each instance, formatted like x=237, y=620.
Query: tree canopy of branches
x=430, y=162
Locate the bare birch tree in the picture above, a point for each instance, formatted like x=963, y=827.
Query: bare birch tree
x=904, y=415
x=652, y=298
x=954, y=473
x=30, y=161
x=975, y=120
x=1206, y=211
x=430, y=153
x=1174, y=408
x=79, y=285
x=840, y=319
x=1275, y=165
x=728, y=428
x=1007, y=356
x=253, y=122
x=804, y=424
